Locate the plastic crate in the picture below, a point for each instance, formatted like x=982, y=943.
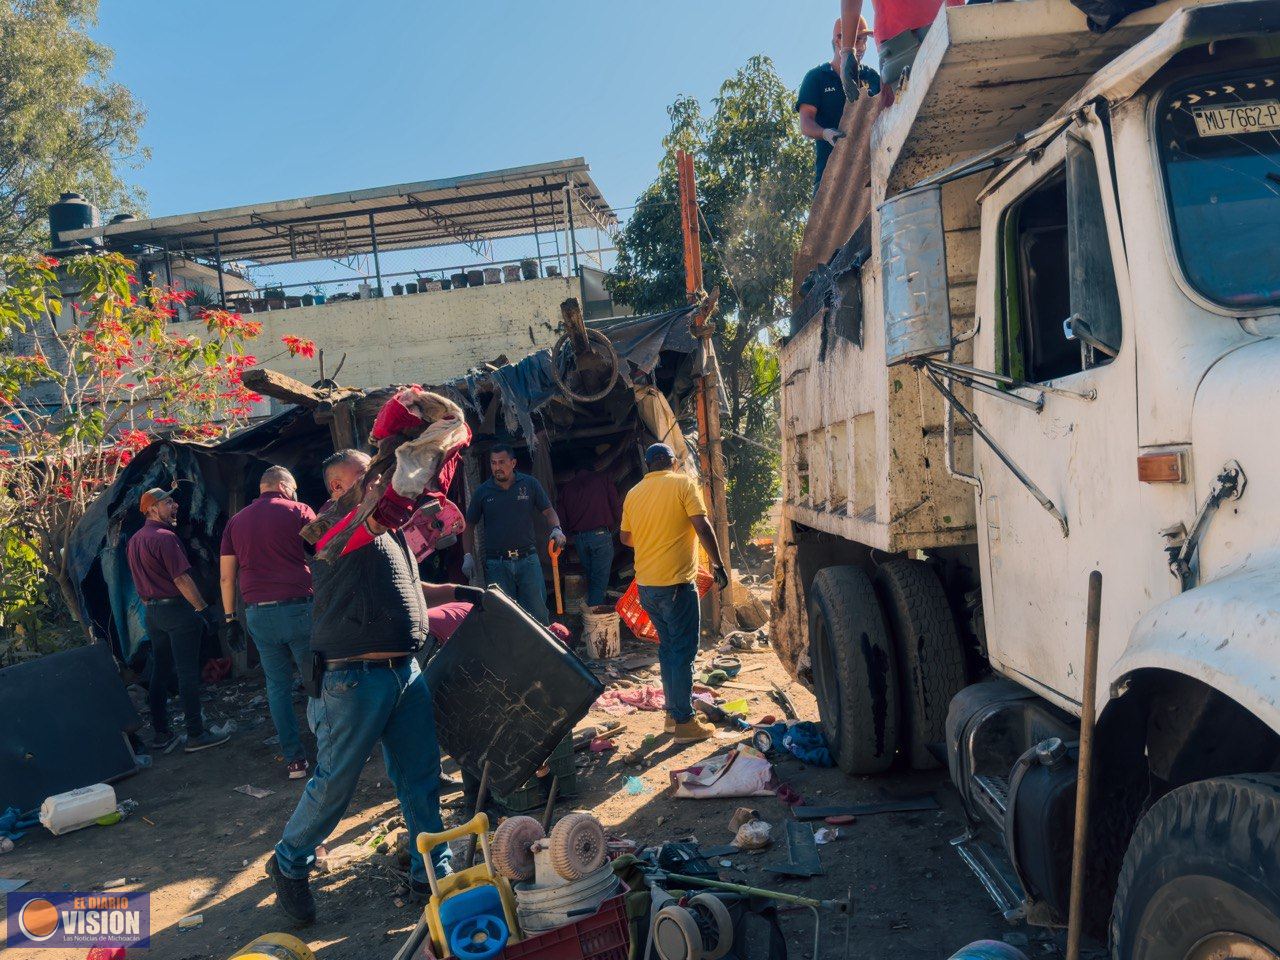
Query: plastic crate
x=638, y=621
x=605, y=935
x=533, y=795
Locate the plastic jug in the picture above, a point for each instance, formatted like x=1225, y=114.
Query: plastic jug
x=74, y=809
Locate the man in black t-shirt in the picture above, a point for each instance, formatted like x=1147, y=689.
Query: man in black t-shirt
x=821, y=101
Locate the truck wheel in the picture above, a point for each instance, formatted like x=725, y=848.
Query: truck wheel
x=1201, y=877
x=855, y=677
x=930, y=658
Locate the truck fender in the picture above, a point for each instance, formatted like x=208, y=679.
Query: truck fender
x=1222, y=633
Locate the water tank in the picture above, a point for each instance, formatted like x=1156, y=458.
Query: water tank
x=130, y=250
x=72, y=212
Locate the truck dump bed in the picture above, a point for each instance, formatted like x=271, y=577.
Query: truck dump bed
x=863, y=450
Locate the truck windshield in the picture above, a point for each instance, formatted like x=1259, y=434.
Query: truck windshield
x=1220, y=149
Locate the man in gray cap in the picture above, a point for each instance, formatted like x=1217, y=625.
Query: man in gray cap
x=663, y=519
x=176, y=618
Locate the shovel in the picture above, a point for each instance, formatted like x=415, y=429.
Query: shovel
x=554, y=550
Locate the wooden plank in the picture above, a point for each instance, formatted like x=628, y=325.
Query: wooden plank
x=927, y=802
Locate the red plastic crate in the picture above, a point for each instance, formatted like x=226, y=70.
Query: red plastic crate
x=633, y=615
x=605, y=935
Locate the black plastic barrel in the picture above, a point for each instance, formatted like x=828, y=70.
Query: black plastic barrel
x=72, y=212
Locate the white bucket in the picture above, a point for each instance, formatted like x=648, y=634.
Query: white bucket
x=600, y=633
x=74, y=809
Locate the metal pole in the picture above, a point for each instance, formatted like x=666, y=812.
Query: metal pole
x=537, y=237
x=377, y=266
x=217, y=254
x=573, y=234
x=1084, y=775
x=567, y=240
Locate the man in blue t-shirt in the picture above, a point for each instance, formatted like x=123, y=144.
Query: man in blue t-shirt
x=821, y=100
x=507, y=503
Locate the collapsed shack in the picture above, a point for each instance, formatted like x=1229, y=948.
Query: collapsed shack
x=599, y=396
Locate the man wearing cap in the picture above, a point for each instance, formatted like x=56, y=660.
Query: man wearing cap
x=507, y=503
x=176, y=618
x=900, y=27
x=261, y=547
x=663, y=519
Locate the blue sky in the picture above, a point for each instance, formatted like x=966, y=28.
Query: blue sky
x=276, y=99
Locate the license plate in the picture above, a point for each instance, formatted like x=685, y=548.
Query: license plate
x=1257, y=116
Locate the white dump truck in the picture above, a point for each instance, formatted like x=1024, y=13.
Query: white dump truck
x=1053, y=347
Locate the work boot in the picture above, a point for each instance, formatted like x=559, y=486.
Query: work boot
x=298, y=769
x=292, y=896
x=163, y=741
x=693, y=730
x=449, y=784
x=669, y=724
x=205, y=740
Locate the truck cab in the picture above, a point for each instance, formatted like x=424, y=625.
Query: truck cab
x=1051, y=349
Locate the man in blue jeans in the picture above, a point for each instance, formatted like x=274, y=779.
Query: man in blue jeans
x=663, y=519
x=261, y=547
x=369, y=616
x=591, y=511
x=507, y=504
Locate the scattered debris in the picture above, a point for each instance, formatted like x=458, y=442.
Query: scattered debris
x=802, y=853
x=249, y=790
x=826, y=834
x=753, y=835
x=10, y=884
x=625, y=700
x=840, y=820
x=926, y=802
x=635, y=786
x=6, y=845
x=188, y=923
x=116, y=884
x=741, y=772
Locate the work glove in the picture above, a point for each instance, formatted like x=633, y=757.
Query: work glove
x=721, y=576
x=471, y=595
x=468, y=566
x=850, y=76
x=233, y=634
x=210, y=617
x=871, y=79
x=832, y=135
x=558, y=536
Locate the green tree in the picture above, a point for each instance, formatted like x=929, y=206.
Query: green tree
x=63, y=124
x=755, y=174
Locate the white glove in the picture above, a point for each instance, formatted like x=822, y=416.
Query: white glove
x=468, y=566
x=831, y=135
x=558, y=536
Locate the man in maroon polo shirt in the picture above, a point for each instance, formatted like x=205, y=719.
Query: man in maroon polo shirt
x=176, y=617
x=261, y=544
x=591, y=511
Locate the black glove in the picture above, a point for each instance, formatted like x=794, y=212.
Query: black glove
x=850, y=76
x=721, y=575
x=472, y=595
x=210, y=617
x=233, y=635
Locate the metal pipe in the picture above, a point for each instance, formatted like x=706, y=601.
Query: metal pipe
x=952, y=367
x=573, y=233
x=537, y=238
x=377, y=270
x=840, y=906
x=949, y=448
x=1084, y=776
x=217, y=254
x=989, y=440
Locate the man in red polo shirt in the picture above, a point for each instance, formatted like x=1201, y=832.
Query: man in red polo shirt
x=899, y=27
x=261, y=544
x=176, y=617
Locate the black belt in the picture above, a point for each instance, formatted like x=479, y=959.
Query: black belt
x=510, y=554
x=356, y=663
x=279, y=603
x=161, y=601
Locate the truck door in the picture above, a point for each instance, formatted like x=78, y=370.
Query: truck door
x=1053, y=252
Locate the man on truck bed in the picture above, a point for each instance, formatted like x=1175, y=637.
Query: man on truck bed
x=663, y=517
x=900, y=26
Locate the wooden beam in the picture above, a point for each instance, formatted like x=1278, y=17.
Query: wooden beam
x=269, y=383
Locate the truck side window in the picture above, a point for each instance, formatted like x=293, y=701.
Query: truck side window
x=1056, y=264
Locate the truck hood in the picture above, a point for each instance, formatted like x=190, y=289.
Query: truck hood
x=1234, y=418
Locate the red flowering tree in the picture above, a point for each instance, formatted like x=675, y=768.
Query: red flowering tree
x=91, y=369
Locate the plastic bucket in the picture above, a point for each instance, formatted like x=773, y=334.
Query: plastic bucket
x=492, y=275
x=600, y=632
x=511, y=273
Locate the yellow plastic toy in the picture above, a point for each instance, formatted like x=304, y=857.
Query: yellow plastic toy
x=274, y=946
x=444, y=889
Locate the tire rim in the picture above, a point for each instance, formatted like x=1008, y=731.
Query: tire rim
x=1230, y=946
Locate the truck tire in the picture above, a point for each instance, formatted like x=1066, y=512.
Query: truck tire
x=1201, y=877
x=855, y=676
x=928, y=652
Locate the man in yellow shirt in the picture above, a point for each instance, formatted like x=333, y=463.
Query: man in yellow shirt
x=663, y=518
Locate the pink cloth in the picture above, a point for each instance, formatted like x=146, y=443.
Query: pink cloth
x=444, y=620
x=620, y=702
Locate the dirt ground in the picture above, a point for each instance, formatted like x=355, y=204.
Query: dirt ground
x=200, y=847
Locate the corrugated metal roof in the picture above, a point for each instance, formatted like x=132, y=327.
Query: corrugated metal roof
x=469, y=209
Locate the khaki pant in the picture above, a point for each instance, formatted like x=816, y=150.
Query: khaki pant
x=898, y=53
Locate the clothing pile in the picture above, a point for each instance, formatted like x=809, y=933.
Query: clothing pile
x=620, y=702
